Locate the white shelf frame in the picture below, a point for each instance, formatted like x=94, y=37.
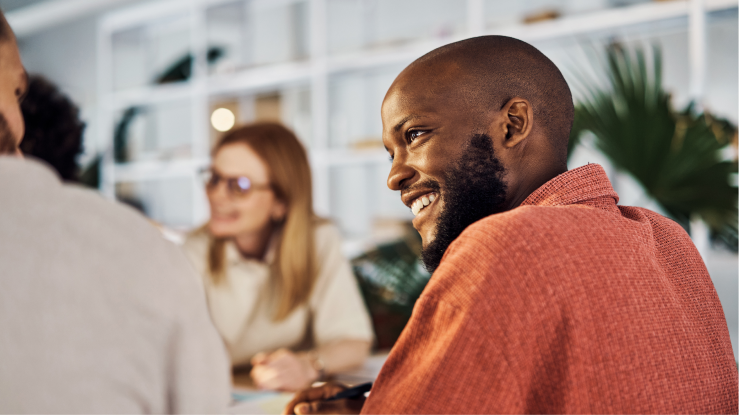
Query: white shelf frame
x=317, y=69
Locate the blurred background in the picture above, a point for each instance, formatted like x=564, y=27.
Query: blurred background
x=158, y=81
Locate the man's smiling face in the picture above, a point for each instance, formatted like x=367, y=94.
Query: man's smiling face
x=422, y=138
x=443, y=162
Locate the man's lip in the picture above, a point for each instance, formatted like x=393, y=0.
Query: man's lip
x=422, y=215
x=410, y=197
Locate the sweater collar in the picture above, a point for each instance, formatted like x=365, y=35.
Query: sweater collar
x=586, y=185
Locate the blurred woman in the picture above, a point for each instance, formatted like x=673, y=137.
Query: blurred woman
x=280, y=292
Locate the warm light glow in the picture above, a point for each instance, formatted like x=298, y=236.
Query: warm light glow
x=223, y=119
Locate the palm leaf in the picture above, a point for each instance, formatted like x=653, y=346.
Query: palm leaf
x=676, y=157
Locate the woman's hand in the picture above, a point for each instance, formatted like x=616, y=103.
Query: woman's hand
x=313, y=401
x=282, y=370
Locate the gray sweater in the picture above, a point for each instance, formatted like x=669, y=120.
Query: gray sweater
x=98, y=313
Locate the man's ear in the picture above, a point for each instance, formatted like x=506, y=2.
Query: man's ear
x=518, y=115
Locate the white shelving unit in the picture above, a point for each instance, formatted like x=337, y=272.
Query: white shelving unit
x=317, y=70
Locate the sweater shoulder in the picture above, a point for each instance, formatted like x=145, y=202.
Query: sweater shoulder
x=528, y=249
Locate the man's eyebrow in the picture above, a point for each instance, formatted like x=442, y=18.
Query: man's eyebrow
x=399, y=125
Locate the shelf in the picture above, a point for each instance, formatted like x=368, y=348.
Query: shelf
x=349, y=157
x=139, y=15
x=609, y=19
x=369, y=58
x=260, y=78
x=598, y=21
x=151, y=95
x=163, y=169
x=317, y=71
x=157, y=169
x=248, y=80
x=270, y=76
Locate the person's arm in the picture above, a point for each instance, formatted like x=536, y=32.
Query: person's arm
x=340, y=323
x=340, y=355
x=286, y=370
x=315, y=401
x=341, y=326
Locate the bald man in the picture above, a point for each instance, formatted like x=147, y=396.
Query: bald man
x=546, y=296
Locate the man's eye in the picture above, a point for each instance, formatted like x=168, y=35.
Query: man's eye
x=412, y=135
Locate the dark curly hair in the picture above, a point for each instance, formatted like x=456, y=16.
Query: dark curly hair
x=53, y=128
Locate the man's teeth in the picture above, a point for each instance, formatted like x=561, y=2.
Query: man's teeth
x=421, y=203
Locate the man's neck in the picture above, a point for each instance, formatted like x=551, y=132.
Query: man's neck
x=530, y=184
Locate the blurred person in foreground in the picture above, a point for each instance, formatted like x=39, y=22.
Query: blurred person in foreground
x=280, y=291
x=98, y=313
x=53, y=127
x=546, y=296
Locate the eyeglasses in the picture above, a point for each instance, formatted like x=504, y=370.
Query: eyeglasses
x=236, y=186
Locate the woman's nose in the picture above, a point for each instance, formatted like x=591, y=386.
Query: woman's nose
x=219, y=191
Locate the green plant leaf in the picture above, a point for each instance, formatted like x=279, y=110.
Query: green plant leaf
x=675, y=156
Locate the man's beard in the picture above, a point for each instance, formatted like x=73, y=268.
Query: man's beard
x=7, y=141
x=473, y=189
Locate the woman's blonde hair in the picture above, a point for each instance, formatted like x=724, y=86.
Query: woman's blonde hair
x=294, y=268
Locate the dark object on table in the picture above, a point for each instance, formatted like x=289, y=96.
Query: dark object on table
x=391, y=278
x=352, y=393
x=53, y=127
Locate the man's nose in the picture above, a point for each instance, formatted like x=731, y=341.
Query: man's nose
x=399, y=173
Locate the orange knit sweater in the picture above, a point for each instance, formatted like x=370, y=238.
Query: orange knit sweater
x=566, y=304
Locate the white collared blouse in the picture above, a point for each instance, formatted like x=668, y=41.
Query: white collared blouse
x=241, y=305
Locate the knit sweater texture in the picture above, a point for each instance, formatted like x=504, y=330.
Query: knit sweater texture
x=568, y=303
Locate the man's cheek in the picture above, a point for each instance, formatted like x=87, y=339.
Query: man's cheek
x=429, y=234
x=17, y=126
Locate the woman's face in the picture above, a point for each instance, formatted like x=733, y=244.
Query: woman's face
x=232, y=215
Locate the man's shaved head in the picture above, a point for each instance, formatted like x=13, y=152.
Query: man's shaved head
x=494, y=69
x=473, y=128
